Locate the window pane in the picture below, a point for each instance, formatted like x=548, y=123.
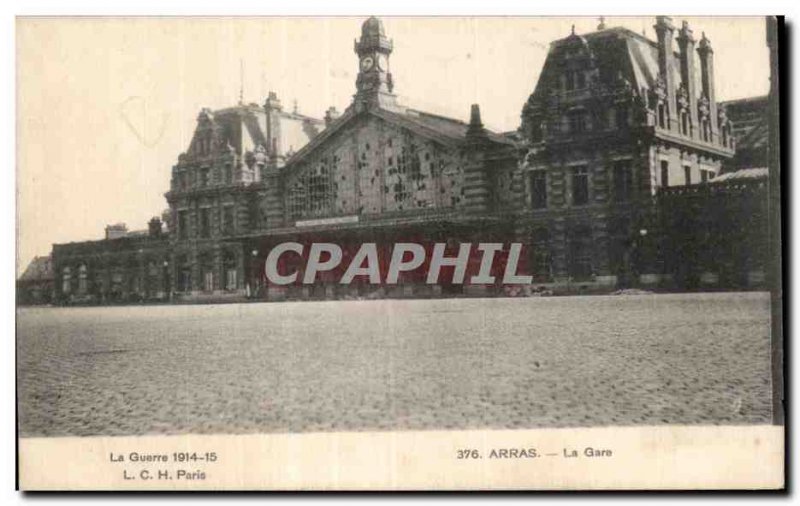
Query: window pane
x=580, y=186
x=623, y=181
x=664, y=173
x=539, y=189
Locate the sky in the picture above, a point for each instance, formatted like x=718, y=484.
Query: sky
x=106, y=105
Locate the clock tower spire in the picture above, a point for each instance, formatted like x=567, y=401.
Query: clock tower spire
x=374, y=83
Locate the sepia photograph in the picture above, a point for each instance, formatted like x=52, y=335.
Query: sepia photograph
x=330, y=227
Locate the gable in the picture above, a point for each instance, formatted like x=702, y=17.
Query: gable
x=370, y=165
x=241, y=128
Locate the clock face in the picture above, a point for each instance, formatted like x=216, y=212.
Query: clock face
x=383, y=62
x=366, y=63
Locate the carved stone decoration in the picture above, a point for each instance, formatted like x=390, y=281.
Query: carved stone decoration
x=260, y=155
x=660, y=88
x=683, y=97
x=249, y=159
x=722, y=115
x=703, y=107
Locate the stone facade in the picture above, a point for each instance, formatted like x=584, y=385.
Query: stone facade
x=614, y=120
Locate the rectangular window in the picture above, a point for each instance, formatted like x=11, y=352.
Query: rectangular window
x=205, y=223
x=623, y=181
x=183, y=224
x=662, y=115
x=577, y=121
x=230, y=280
x=204, y=176
x=703, y=175
x=687, y=174
x=664, y=173
x=580, y=186
x=228, y=174
x=227, y=220
x=580, y=80
x=539, y=189
x=621, y=116
x=581, y=252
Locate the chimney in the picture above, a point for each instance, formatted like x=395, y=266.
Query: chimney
x=273, y=109
x=665, y=31
x=273, y=103
x=707, y=80
x=330, y=116
x=686, y=44
x=475, y=130
x=154, y=227
x=116, y=231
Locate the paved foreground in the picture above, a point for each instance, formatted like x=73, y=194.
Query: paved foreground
x=426, y=364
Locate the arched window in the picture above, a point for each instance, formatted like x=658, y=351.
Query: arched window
x=66, y=280
x=229, y=268
x=207, y=271
x=83, y=276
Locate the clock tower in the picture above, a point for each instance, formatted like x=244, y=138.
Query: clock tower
x=374, y=84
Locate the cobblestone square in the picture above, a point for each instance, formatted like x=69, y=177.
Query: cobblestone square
x=395, y=365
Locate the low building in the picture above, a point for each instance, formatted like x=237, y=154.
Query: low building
x=35, y=285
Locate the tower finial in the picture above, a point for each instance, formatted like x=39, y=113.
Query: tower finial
x=573, y=29
x=374, y=84
x=602, y=25
x=475, y=128
x=241, y=81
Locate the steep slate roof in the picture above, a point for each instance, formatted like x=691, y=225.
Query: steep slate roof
x=743, y=174
x=40, y=269
x=243, y=126
x=750, y=122
x=438, y=128
x=633, y=54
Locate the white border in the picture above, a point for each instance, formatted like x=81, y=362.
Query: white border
x=317, y=7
